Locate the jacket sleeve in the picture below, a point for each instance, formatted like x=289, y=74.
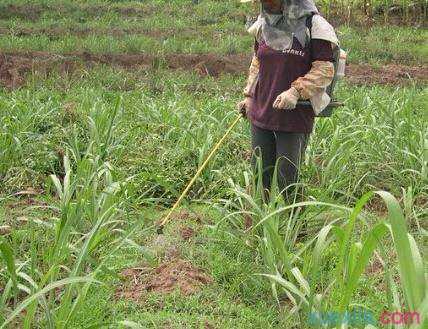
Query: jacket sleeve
x=252, y=79
x=253, y=73
x=316, y=80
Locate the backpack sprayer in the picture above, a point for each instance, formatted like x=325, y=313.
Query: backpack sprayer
x=339, y=63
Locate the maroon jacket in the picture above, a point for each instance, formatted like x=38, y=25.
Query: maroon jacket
x=278, y=69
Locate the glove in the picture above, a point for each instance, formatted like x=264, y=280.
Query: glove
x=244, y=106
x=287, y=100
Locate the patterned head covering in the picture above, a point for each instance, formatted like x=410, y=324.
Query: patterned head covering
x=277, y=30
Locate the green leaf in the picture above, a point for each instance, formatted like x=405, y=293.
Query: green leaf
x=409, y=260
x=287, y=285
x=367, y=250
x=42, y=292
x=343, y=268
x=7, y=254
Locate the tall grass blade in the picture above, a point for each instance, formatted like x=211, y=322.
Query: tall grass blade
x=23, y=305
x=7, y=255
x=343, y=270
x=409, y=260
x=369, y=245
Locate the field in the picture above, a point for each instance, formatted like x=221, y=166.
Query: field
x=107, y=109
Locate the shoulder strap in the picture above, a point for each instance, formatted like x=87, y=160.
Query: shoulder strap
x=309, y=25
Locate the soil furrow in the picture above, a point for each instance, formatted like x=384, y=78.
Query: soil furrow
x=15, y=66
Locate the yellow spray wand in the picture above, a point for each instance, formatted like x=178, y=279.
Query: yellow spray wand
x=189, y=185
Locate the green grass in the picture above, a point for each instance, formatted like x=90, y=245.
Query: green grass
x=166, y=124
x=192, y=31
x=165, y=109
x=236, y=299
x=383, y=44
x=90, y=160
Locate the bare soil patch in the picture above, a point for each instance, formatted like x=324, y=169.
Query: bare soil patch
x=186, y=215
x=386, y=74
x=374, y=267
x=30, y=12
x=174, y=275
x=421, y=201
x=186, y=233
x=377, y=206
x=26, y=198
x=248, y=222
x=14, y=66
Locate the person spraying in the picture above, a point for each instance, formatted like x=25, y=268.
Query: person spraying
x=294, y=49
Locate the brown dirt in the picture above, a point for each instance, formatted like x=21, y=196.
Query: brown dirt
x=14, y=66
x=28, y=12
x=177, y=274
x=248, y=222
x=377, y=206
x=386, y=74
x=187, y=233
x=421, y=201
x=208, y=325
x=186, y=215
x=374, y=267
x=26, y=202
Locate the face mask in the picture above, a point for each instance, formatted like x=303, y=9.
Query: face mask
x=272, y=19
x=279, y=29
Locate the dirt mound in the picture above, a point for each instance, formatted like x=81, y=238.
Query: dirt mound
x=169, y=276
x=205, y=64
x=187, y=233
x=209, y=64
x=12, y=71
x=14, y=66
x=30, y=12
x=186, y=215
x=376, y=206
x=386, y=74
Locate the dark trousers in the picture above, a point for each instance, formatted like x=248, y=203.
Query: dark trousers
x=288, y=147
